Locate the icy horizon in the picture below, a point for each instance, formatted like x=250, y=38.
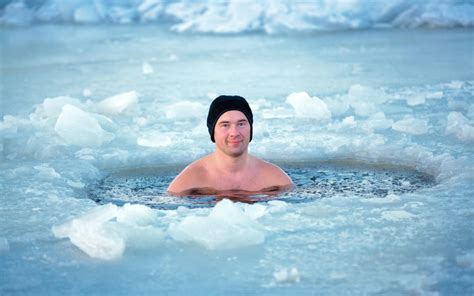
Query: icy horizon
x=232, y=16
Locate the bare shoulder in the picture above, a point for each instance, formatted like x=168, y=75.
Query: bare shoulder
x=192, y=176
x=273, y=173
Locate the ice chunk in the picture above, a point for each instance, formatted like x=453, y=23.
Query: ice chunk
x=397, y=215
x=86, y=154
x=45, y=171
x=411, y=125
x=346, y=124
x=52, y=107
x=142, y=237
x=338, y=105
x=349, y=121
x=255, y=211
x=226, y=227
x=420, y=98
x=86, y=93
x=306, y=106
x=141, y=121
x=460, y=126
x=75, y=184
x=377, y=121
x=185, y=109
x=118, y=104
x=136, y=223
x=147, y=69
x=456, y=84
x=285, y=275
x=153, y=140
x=81, y=128
x=364, y=100
x=434, y=95
x=136, y=215
x=97, y=215
x=362, y=108
x=416, y=99
x=92, y=235
x=174, y=58
x=105, y=231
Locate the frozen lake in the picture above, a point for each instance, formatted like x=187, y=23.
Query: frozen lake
x=82, y=102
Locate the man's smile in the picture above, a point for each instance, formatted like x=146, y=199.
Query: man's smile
x=234, y=142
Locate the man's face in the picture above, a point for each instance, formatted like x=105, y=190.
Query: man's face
x=232, y=133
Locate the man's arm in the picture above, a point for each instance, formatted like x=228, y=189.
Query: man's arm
x=275, y=176
x=189, y=178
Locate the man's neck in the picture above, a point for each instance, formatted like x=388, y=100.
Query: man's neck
x=230, y=164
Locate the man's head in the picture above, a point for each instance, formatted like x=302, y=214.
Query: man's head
x=223, y=104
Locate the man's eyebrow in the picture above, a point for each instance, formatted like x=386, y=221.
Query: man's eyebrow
x=228, y=121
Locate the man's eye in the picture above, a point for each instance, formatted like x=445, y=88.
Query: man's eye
x=242, y=123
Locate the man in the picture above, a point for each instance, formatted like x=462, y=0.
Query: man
x=230, y=168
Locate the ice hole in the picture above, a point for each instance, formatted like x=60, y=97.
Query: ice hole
x=313, y=180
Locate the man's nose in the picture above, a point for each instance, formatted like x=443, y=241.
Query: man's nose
x=234, y=130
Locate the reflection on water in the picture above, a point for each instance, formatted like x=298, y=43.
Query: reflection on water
x=311, y=181
x=236, y=194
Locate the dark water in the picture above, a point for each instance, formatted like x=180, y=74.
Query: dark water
x=312, y=181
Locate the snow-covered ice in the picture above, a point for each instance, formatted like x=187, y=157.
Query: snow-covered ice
x=80, y=103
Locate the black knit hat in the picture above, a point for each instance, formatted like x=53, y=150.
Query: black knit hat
x=222, y=104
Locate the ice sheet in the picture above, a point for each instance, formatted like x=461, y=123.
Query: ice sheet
x=408, y=104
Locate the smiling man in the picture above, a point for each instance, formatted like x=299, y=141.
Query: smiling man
x=230, y=168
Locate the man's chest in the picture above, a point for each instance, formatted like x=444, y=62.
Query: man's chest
x=244, y=181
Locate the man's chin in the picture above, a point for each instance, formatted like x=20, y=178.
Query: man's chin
x=235, y=153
